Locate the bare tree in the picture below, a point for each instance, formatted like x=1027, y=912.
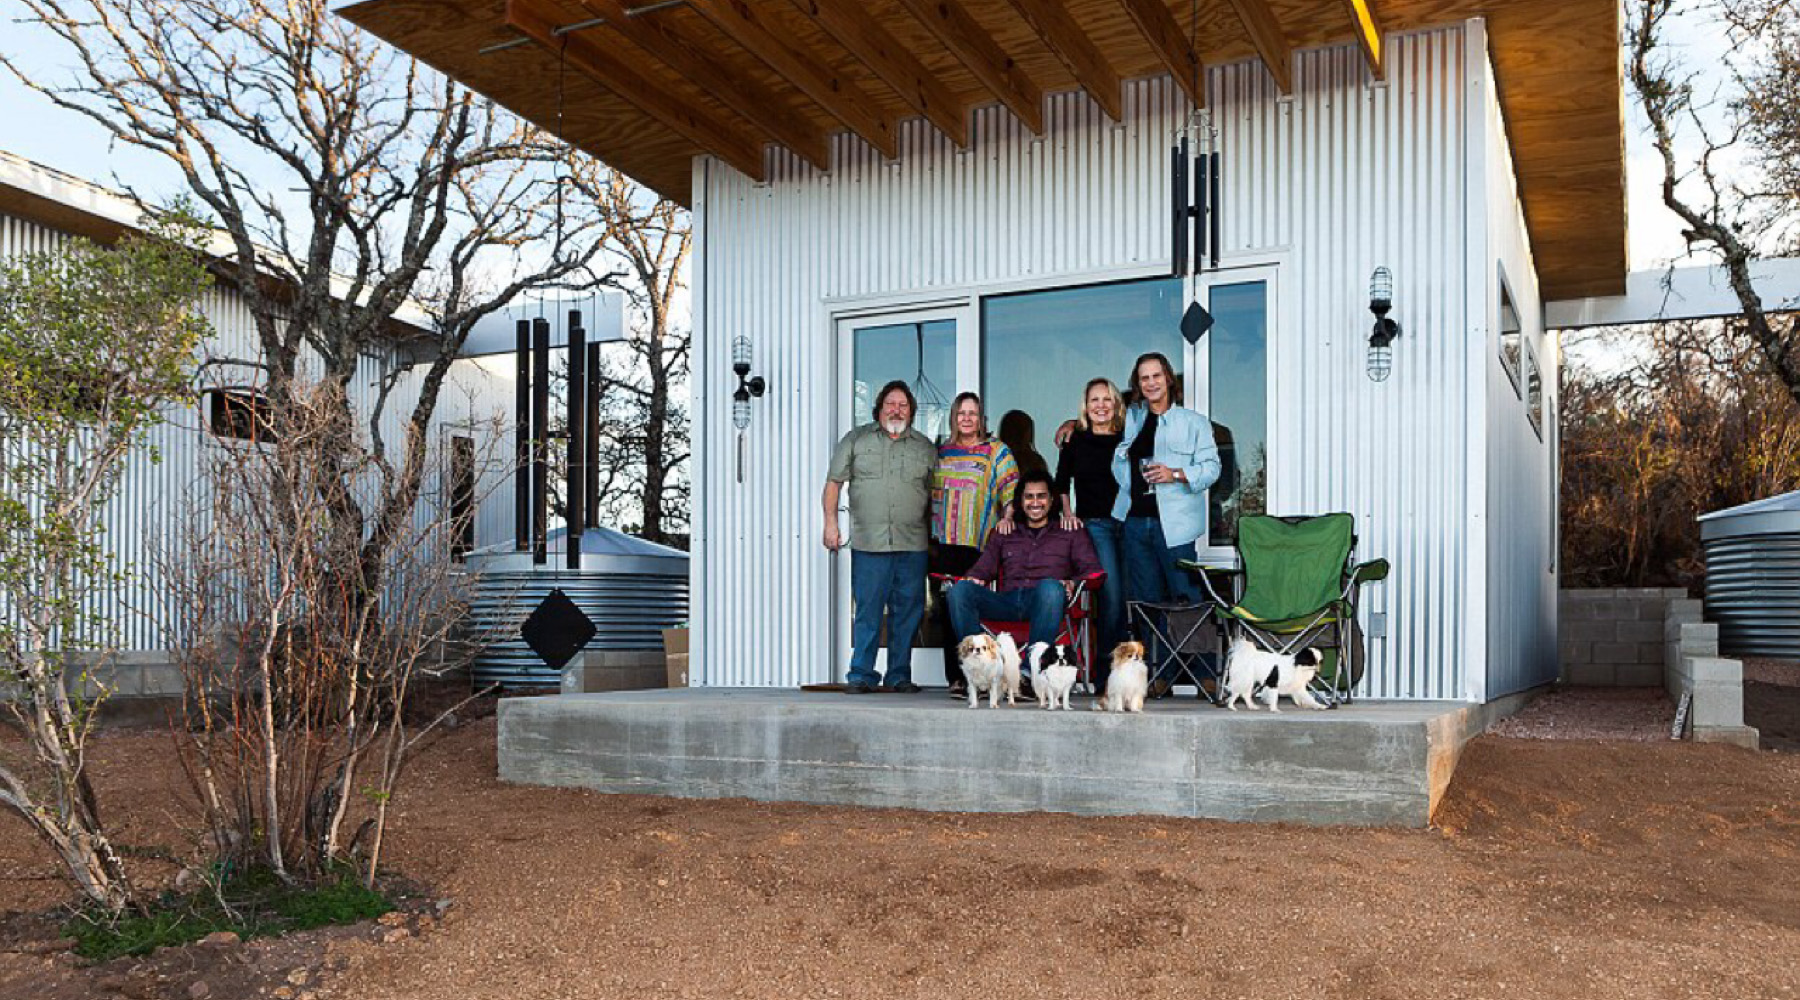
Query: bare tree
x=94, y=344
x=349, y=184
x=1736, y=222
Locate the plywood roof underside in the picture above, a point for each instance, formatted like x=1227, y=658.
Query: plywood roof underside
x=647, y=94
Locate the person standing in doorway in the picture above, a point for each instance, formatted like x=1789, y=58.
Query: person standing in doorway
x=1163, y=465
x=1085, y=465
x=887, y=466
x=971, y=494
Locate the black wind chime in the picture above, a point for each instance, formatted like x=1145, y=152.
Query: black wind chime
x=1194, y=174
x=531, y=480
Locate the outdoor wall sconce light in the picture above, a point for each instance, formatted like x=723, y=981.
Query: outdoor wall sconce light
x=1381, y=339
x=749, y=387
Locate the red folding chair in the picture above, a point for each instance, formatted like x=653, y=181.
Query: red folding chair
x=1076, y=631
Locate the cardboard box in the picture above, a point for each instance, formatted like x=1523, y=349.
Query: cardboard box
x=678, y=669
x=675, y=641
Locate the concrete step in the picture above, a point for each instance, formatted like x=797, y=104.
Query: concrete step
x=1372, y=764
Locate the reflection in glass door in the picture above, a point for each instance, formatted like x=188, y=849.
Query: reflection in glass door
x=1238, y=390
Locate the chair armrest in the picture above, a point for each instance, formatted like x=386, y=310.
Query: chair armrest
x=1206, y=573
x=1369, y=572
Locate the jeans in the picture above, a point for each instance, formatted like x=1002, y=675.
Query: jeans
x=1041, y=604
x=1152, y=575
x=891, y=582
x=1109, y=619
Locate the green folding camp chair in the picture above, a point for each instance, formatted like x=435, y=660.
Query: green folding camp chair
x=1297, y=589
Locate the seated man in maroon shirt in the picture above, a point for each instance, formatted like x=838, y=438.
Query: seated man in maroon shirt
x=1035, y=565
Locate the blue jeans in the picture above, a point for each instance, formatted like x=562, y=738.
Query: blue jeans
x=1152, y=575
x=894, y=583
x=1110, y=604
x=1041, y=604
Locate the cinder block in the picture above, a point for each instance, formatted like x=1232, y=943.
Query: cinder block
x=1739, y=736
x=1592, y=674
x=1717, y=706
x=1686, y=609
x=162, y=680
x=1715, y=670
x=1591, y=631
x=1641, y=631
x=1651, y=653
x=1574, y=651
x=1615, y=652
x=1639, y=675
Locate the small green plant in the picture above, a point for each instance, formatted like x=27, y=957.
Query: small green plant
x=251, y=904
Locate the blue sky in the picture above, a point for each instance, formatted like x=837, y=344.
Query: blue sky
x=32, y=127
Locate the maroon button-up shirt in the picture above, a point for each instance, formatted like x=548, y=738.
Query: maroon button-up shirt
x=1028, y=555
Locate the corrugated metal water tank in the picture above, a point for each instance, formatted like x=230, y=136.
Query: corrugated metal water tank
x=631, y=588
x=1753, y=576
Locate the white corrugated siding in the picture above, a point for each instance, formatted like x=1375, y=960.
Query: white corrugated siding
x=1522, y=471
x=155, y=496
x=1331, y=182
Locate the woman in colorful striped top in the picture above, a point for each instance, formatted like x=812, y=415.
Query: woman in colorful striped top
x=971, y=492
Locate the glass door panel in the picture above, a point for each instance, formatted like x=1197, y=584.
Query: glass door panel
x=1238, y=403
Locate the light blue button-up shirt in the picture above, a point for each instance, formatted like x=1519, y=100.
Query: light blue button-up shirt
x=1184, y=440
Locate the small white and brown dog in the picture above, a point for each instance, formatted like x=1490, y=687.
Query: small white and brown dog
x=1128, y=682
x=992, y=666
x=1250, y=669
x=1053, y=673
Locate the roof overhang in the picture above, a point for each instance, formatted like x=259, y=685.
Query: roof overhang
x=648, y=86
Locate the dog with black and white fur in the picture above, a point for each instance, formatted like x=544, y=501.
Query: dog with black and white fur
x=1053, y=673
x=1252, y=671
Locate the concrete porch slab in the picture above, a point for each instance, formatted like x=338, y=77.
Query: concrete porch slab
x=1370, y=764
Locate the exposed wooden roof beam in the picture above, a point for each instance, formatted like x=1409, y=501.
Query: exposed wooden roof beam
x=970, y=43
x=741, y=94
x=841, y=98
x=1172, y=48
x=857, y=31
x=1368, y=33
x=1069, y=41
x=1270, y=41
x=538, y=21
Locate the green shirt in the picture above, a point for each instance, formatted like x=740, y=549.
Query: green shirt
x=890, y=487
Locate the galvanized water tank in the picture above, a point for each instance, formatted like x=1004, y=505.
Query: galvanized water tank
x=1753, y=576
x=631, y=589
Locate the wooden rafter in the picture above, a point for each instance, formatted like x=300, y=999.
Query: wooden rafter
x=983, y=57
x=841, y=98
x=538, y=21
x=1071, y=45
x=857, y=31
x=1270, y=41
x=741, y=94
x=1172, y=47
x=1368, y=33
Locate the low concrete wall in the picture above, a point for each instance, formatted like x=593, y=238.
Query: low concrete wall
x=1692, y=666
x=1613, y=637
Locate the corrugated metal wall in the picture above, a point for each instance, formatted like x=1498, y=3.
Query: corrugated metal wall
x=1338, y=178
x=1522, y=473
x=156, y=496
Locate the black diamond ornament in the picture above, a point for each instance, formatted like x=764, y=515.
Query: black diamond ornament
x=557, y=630
x=1195, y=322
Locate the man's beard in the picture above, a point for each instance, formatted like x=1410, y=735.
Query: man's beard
x=894, y=426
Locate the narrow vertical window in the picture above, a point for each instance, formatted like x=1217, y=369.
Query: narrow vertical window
x=462, y=497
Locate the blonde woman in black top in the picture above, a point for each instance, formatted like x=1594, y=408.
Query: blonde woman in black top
x=1085, y=463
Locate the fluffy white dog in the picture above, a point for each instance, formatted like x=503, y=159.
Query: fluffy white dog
x=991, y=665
x=1128, y=682
x=1249, y=669
x=1053, y=673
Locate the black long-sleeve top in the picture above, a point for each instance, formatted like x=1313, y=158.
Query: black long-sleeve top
x=1086, y=461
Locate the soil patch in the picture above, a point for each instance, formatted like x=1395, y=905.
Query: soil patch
x=1584, y=869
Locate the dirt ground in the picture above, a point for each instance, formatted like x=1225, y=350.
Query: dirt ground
x=1557, y=868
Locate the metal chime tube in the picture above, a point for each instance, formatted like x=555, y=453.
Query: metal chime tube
x=1179, y=237
x=540, y=437
x=1213, y=212
x=575, y=510
x=592, y=518
x=522, y=436
x=1202, y=209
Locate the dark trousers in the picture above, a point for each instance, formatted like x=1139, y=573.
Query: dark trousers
x=950, y=560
